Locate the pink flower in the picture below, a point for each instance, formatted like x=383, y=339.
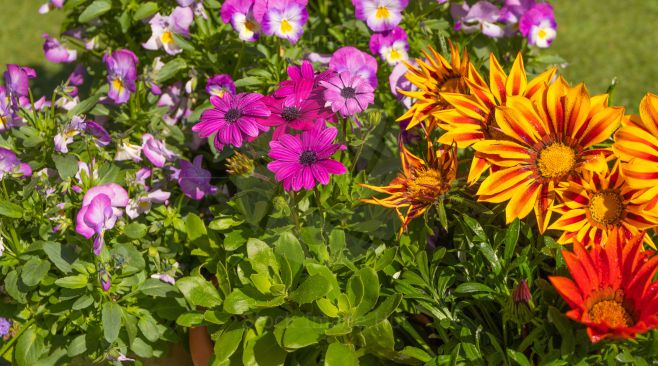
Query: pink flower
x=302, y=82
x=10, y=165
x=241, y=15
x=348, y=94
x=220, y=84
x=233, y=119
x=303, y=161
x=538, y=25
x=356, y=62
x=398, y=81
x=156, y=151
x=298, y=116
x=193, y=180
x=392, y=45
x=99, y=212
x=57, y=53
x=142, y=204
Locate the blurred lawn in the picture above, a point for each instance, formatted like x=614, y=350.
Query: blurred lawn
x=600, y=39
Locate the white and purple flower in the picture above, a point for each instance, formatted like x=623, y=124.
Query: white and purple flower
x=156, y=151
x=380, y=15
x=482, y=16
x=240, y=14
x=56, y=52
x=100, y=211
x=538, y=25
x=392, y=45
x=220, y=84
x=10, y=165
x=142, y=204
x=65, y=137
x=285, y=19
x=121, y=74
x=50, y=5
x=165, y=27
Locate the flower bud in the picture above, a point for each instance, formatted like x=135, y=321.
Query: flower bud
x=240, y=165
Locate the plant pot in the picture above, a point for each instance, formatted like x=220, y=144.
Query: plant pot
x=201, y=346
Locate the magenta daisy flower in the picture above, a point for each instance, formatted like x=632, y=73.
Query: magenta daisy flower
x=348, y=94
x=298, y=116
x=233, y=119
x=303, y=161
x=303, y=82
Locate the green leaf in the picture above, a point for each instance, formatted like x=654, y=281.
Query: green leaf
x=511, y=238
x=313, y=288
x=382, y=312
x=77, y=346
x=379, y=339
x=299, y=332
x=34, y=271
x=370, y=290
x=12, y=287
x=145, y=10
x=66, y=165
x=237, y=302
x=111, y=316
x=149, y=327
x=94, y=10
x=227, y=343
x=77, y=281
x=135, y=230
x=327, y=308
x=199, y=292
x=170, y=69
x=61, y=256
x=339, y=354
x=262, y=351
x=471, y=287
x=190, y=319
x=29, y=347
x=10, y=209
x=261, y=256
x=288, y=249
x=518, y=357
x=416, y=353
x=157, y=288
x=82, y=302
x=337, y=242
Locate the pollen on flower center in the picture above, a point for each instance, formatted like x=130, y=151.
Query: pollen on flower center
x=541, y=33
x=395, y=54
x=606, y=207
x=556, y=160
x=167, y=37
x=308, y=158
x=117, y=84
x=611, y=312
x=348, y=92
x=249, y=25
x=285, y=26
x=382, y=12
x=426, y=185
x=232, y=115
x=290, y=113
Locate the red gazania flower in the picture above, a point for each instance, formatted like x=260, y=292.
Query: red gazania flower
x=612, y=292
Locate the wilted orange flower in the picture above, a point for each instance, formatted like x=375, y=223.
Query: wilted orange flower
x=421, y=183
x=612, y=291
x=548, y=140
x=473, y=117
x=432, y=77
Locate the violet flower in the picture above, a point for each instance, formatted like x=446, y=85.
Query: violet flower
x=17, y=83
x=380, y=15
x=121, y=74
x=193, y=180
x=101, y=137
x=392, y=45
x=219, y=84
x=240, y=14
x=482, y=16
x=5, y=326
x=50, y=5
x=105, y=279
x=398, y=81
x=57, y=53
x=538, y=25
x=8, y=116
x=142, y=175
x=355, y=62
x=285, y=18
x=165, y=27
x=512, y=11
x=196, y=5
x=128, y=151
x=164, y=278
x=156, y=151
x=177, y=103
x=10, y=165
x=141, y=205
x=65, y=137
x=348, y=93
x=100, y=211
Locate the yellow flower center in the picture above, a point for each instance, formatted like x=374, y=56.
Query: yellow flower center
x=4, y=121
x=606, y=207
x=425, y=186
x=286, y=27
x=395, y=55
x=556, y=160
x=541, y=34
x=611, y=312
x=382, y=12
x=117, y=84
x=249, y=25
x=167, y=37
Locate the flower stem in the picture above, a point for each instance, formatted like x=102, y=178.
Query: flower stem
x=7, y=346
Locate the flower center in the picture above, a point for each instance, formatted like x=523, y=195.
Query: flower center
x=232, y=115
x=290, y=113
x=348, y=92
x=395, y=54
x=541, y=34
x=382, y=12
x=117, y=84
x=556, y=160
x=167, y=37
x=611, y=312
x=308, y=158
x=606, y=207
x=425, y=186
x=250, y=25
x=285, y=27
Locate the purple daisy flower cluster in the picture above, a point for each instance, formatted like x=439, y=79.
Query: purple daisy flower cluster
x=281, y=18
x=534, y=20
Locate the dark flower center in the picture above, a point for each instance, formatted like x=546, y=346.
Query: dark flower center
x=290, y=113
x=348, y=92
x=232, y=115
x=308, y=157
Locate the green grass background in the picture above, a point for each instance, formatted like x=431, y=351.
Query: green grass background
x=600, y=39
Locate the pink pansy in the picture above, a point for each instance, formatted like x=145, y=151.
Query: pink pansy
x=65, y=137
x=156, y=151
x=355, y=62
x=538, y=25
x=392, y=45
x=164, y=28
x=240, y=14
x=348, y=94
x=177, y=102
x=99, y=212
x=220, y=84
x=121, y=74
x=303, y=161
x=57, y=53
x=380, y=15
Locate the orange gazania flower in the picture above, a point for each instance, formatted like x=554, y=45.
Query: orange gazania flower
x=612, y=292
x=432, y=77
x=473, y=117
x=598, y=205
x=548, y=141
x=421, y=183
x=636, y=145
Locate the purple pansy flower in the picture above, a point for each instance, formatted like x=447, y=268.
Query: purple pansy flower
x=105, y=279
x=392, y=45
x=17, y=83
x=177, y=103
x=512, y=11
x=165, y=27
x=50, y=5
x=240, y=14
x=10, y=165
x=57, y=53
x=303, y=161
x=100, y=211
x=5, y=326
x=8, y=116
x=65, y=137
x=380, y=15
x=285, y=19
x=233, y=119
x=142, y=175
x=164, y=278
x=121, y=74
x=398, y=81
x=101, y=137
x=348, y=94
x=142, y=204
x=156, y=151
x=356, y=62
x=220, y=84
x=196, y=5
x=482, y=16
x=193, y=180
x=538, y=25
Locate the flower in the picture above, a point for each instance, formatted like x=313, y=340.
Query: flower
x=65, y=137
x=164, y=278
x=285, y=19
x=354, y=61
x=348, y=94
x=433, y=77
x=5, y=326
x=303, y=83
x=611, y=291
x=176, y=101
x=99, y=212
x=9, y=164
x=240, y=14
x=142, y=204
x=538, y=25
x=545, y=143
x=392, y=45
x=193, y=180
x=482, y=16
x=57, y=53
x=196, y=5
x=50, y=5
x=164, y=28
x=380, y=15
x=220, y=84
x=17, y=82
x=8, y=116
x=298, y=116
x=398, y=81
x=472, y=117
x=421, y=184
x=101, y=137
x=156, y=151
x=239, y=164
x=302, y=161
x=636, y=145
x=599, y=205
x=128, y=151
x=513, y=10
x=104, y=278
x=233, y=118
x=121, y=74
